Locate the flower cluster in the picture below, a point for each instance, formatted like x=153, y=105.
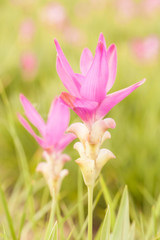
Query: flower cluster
x=88, y=97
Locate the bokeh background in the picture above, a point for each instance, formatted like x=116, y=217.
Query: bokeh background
x=28, y=66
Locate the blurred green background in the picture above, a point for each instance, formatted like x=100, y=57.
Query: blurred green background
x=28, y=66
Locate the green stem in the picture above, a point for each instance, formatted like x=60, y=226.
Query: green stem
x=90, y=215
x=8, y=216
x=51, y=219
x=80, y=199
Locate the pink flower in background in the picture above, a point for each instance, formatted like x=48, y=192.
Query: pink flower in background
x=27, y=30
x=73, y=35
x=126, y=8
x=87, y=91
x=54, y=14
x=147, y=49
x=53, y=137
x=29, y=65
x=150, y=6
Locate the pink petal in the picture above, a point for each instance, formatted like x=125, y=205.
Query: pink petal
x=85, y=109
x=94, y=87
x=65, y=72
x=64, y=141
x=86, y=61
x=112, y=65
x=33, y=116
x=30, y=130
x=70, y=83
x=112, y=99
x=63, y=58
x=57, y=123
x=79, y=78
x=102, y=39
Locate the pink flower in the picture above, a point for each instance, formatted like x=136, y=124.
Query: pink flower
x=53, y=137
x=87, y=91
x=146, y=49
x=126, y=8
x=54, y=14
x=27, y=30
x=29, y=65
x=150, y=5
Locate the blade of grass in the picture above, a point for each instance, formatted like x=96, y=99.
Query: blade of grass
x=69, y=221
x=108, y=199
x=54, y=232
x=80, y=197
x=132, y=232
x=76, y=206
x=22, y=160
x=60, y=223
x=122, y=224
x=70, y=235
x=105, y=233
x=21, y=224
x=51, y=219
x=37, y=217
x=8, y=216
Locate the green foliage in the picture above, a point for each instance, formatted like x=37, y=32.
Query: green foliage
x=25, y=208
x=105, y=233
x=121, y=228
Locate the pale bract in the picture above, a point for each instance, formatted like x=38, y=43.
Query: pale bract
x=92, y=158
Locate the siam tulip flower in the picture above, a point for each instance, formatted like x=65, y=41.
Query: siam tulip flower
x=53, y=139
x=147, y=49
x=88, y=97
x=29, y=65
x=88, y=92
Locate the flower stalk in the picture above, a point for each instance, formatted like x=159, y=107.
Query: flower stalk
x=51, y=218
x=92, y=158
x=90, y=211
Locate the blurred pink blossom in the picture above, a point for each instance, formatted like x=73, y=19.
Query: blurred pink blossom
x=27, y=30
x=29, y=65
x=73, y=36
x=126, y=8
x=150, y=6
x=146, y=49
x=54, y=15
x=53, y=137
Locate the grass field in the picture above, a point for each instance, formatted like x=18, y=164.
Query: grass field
x=27, y=31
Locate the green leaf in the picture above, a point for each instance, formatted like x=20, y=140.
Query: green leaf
x=105, y=233
x=132, y=232
x=107, y=198
x=8, y=216
x=54, y=232
x=121, y=228
x=51, y=221
x=70, y=235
